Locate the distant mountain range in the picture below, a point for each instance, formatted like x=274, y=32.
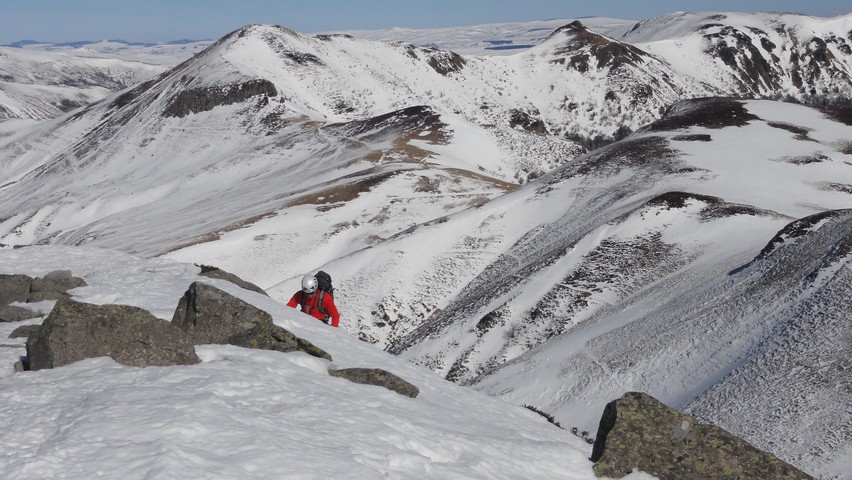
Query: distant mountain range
x=86, y=43
x=627, y=208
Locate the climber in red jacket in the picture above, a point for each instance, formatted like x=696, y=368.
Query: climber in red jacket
x=316, y=302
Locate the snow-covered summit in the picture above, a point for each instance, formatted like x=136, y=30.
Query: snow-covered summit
x=764, y=54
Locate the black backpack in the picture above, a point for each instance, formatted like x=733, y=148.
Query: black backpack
x=324, y=282
x=323, y=286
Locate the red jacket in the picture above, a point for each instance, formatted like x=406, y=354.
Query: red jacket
x=308, y=302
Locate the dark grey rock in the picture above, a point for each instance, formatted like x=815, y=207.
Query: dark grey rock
x=639, y=432
x=378, y=377
x=24, y=331
x=57, y=281
x=129, y=335
x=211, y=315
x=14, y=288
x=58, y=275
x=214, y=272
x=12, y=313
x=204, y=99
x=272, y=337
x=35, y=297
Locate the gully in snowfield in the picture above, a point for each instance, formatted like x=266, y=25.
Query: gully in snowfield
x=315, y=298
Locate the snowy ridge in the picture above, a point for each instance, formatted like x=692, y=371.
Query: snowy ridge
x=252, y=413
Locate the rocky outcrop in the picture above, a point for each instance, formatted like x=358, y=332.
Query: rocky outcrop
x=527, y=121
x=54, y=286
x=14, y=288
x=639, y=432
x=210, y=315
x=215, y=272
x=25, y=289
x=129, y=335
x=378, y=377
x=196, y=100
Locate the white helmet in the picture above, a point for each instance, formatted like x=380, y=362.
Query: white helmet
x=309, y=283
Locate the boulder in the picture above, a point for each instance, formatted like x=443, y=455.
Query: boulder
x=12, y=313
x=46, y=296
x=54, y=286
x=24, y=331
x=214, y=272
x=211, y=315
x=14, y=288
x=129, y=335
x=639, y=432
x=23, y=288
x=272, y=337
x=378, y=377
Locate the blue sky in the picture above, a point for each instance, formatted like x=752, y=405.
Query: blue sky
x=163, y=20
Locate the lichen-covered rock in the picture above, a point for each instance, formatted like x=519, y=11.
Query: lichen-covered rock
x=378, y=377
x=14, y=288
x=11, y=313
x=211, y=315
x=639, y=432
x=218, y=273
x=129, y=335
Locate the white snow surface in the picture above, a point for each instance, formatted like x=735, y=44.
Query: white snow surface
x=245, y=413
x=41, y=85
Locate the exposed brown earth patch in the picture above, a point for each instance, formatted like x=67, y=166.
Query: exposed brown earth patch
x=340, y=193
x=400, y=127
x=217, y=235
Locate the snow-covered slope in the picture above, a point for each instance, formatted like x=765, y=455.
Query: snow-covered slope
x=607, y=274
x=41, y=85
x=250, y=413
